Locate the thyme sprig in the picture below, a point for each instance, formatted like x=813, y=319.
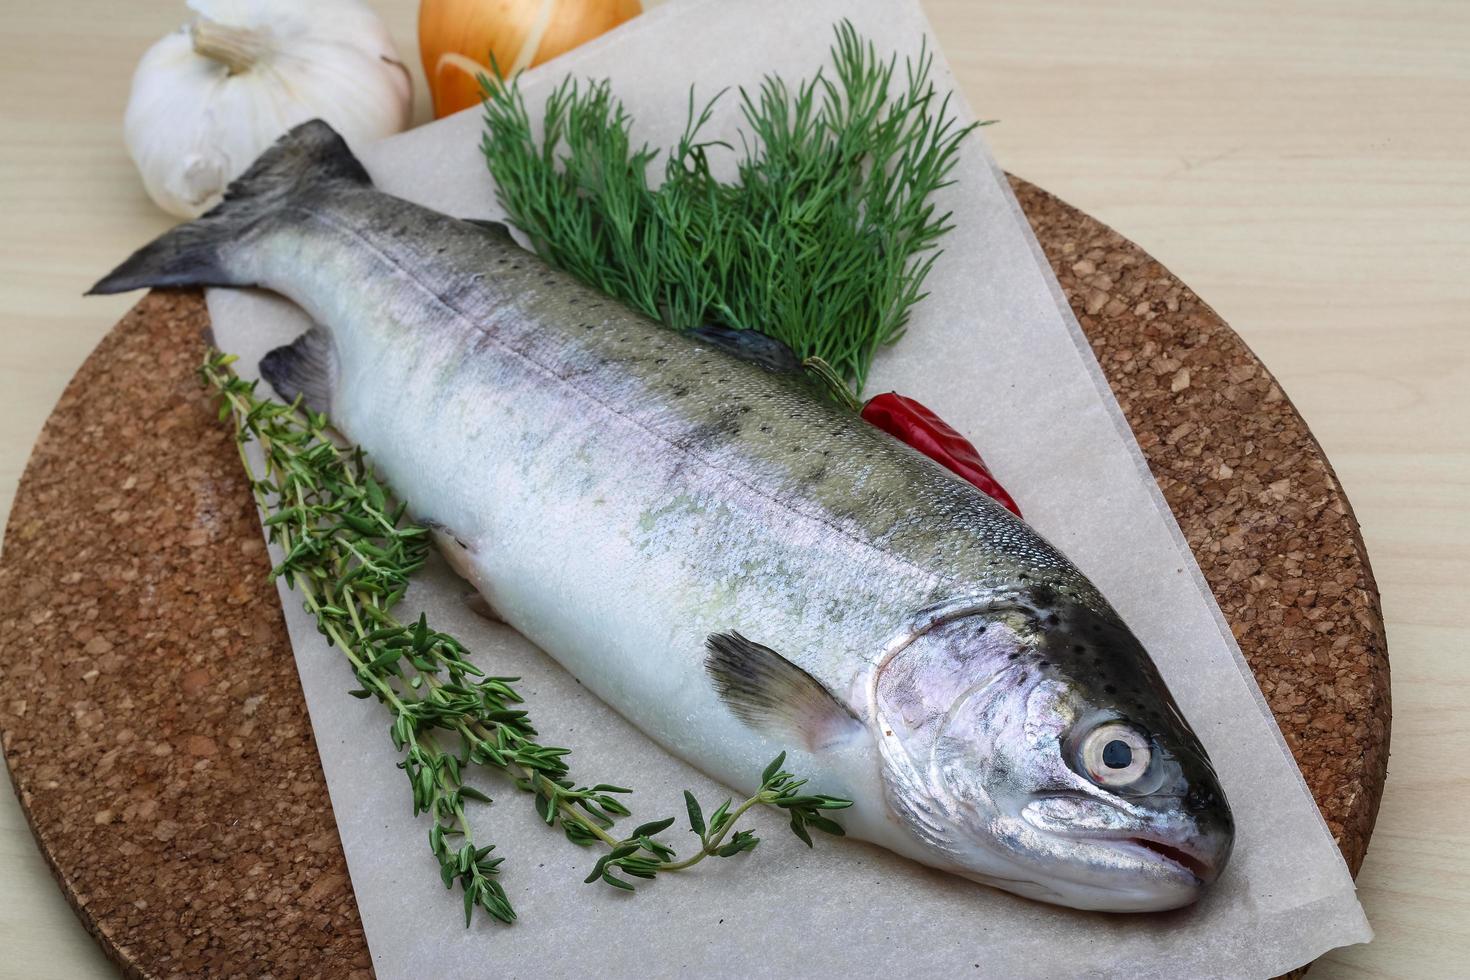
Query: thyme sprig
x=642, y=856
x=823, y=240
x=349, y=553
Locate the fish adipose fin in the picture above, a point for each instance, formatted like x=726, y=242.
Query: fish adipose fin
x=307, y=158
x=306, y=367
x=494, y=229
x=774, y=696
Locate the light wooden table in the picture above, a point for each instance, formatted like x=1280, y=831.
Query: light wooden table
x=1305, y=166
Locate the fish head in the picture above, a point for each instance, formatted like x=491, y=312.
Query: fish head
x=1029, y=742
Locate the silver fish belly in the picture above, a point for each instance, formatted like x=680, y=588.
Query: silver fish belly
x=735, y=565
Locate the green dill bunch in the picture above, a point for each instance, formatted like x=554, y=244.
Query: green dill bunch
x=822, y=240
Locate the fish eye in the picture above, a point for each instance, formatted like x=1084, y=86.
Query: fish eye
x=1115, y=755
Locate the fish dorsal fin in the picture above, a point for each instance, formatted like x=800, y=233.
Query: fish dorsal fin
x=306, y=367
x=773, y=696
x=750, y=345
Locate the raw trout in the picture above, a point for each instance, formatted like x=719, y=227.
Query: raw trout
x=734, y=564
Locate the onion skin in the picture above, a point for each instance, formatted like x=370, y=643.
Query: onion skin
x=458, y=37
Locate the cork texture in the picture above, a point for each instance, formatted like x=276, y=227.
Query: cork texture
x=155, y=729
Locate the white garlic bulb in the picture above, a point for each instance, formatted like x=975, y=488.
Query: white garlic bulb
x=208, y=98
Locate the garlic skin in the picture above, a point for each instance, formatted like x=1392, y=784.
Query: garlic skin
x=208, y=98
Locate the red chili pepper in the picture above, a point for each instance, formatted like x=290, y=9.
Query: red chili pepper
x=911, y=422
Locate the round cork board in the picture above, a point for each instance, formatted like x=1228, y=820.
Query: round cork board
x=156, y=732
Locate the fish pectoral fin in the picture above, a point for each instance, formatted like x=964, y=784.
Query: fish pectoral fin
x=306, y=367
x=775, y=697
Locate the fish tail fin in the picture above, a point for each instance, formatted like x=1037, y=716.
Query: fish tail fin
x=307, y=157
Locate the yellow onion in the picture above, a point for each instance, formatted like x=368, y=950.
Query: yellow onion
x=458, y=37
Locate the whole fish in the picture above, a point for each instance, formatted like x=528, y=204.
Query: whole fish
x=732, y=562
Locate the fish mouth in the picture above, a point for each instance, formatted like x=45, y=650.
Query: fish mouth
x=1200, y=869
x=1122, y=874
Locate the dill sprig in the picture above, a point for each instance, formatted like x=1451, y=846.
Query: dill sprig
x=823, y=240
x=349, y=553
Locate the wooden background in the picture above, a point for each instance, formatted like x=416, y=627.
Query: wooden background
x=1304, y=166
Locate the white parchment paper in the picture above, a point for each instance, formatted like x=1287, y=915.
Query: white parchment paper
x=995, y=351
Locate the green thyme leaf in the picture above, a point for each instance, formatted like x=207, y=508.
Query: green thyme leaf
x=696, y=815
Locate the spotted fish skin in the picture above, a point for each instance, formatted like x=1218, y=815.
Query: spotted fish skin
x=621, y=493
